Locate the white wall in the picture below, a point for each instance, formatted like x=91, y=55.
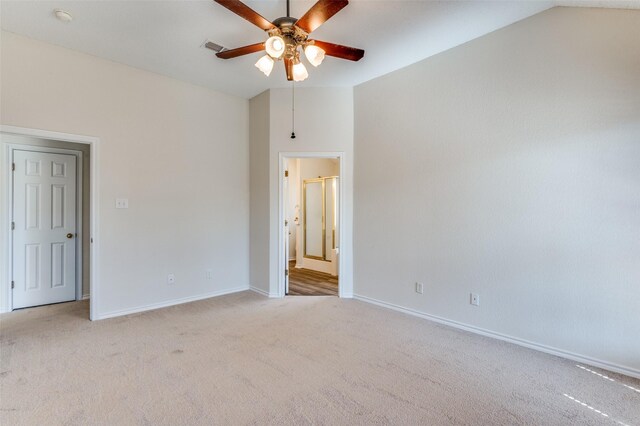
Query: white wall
x=323, y=123
x=510, y=167
x=178, y=152
x=311, y=168
x=259, y=160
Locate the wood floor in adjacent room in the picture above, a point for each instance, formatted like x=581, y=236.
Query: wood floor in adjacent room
x=305, y=282
x=244, y=359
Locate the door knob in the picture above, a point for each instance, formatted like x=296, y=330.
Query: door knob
x=69, y=235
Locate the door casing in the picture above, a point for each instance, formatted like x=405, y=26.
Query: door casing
x=343, y=291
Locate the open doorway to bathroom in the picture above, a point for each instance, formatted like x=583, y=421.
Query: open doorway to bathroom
x=311, y=198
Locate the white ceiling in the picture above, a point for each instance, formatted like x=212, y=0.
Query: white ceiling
x=166, y=36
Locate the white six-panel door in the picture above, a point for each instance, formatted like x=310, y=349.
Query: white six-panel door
x=44, y=238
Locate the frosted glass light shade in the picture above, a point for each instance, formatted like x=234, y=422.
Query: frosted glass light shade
x=314, y=54
x=265, y=64
x=275, y=46
x=300, y=72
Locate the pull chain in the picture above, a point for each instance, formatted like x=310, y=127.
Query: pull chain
x=293, y=110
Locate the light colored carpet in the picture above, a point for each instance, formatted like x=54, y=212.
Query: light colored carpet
x=245, y=359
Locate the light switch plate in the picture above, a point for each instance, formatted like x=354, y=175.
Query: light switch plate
x=122, y=203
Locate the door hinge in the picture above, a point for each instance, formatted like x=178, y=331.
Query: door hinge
x=286, y=272
x=13, y=284
x=13, y=226
x=286, y=223
x=286, y=173
x=13, y=167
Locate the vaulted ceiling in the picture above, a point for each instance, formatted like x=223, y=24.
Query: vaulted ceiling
x=166, y=37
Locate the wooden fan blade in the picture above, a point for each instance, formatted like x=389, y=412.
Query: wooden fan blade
x=339, y=51
x=244, y=50
x=320, y=13
x=244, y=11
x=288, y=67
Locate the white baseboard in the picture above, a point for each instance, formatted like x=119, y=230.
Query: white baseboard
x=262, y=292
x=86, y=296
x=153, y=306
x=259, y=291
x=632, y=372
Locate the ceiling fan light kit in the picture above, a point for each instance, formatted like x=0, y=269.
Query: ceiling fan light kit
x=265, y=64
x=275, y=46
x=287, y=36
x=314, y=54
x=300, y=72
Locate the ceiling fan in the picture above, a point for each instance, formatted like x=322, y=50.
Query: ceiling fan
x=287, y=34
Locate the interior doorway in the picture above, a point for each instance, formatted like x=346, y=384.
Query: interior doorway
x=43, y=198
x=311, y=232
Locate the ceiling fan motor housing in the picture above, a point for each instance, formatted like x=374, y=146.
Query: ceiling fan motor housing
x=285, y=22
x=292, y=35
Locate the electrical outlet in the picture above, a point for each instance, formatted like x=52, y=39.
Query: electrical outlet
x=475, y=299
x=419, y=288
x=171, y=279
x=122, y=203
x=209, y=274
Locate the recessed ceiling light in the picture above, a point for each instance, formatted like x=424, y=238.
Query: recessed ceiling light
x=63, y=16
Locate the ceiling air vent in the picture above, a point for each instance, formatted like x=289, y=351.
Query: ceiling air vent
x=213, y=46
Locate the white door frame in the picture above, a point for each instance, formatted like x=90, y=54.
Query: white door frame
x=79, y=183
x=287, y=231
x=342, y=291
x=5, y=210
